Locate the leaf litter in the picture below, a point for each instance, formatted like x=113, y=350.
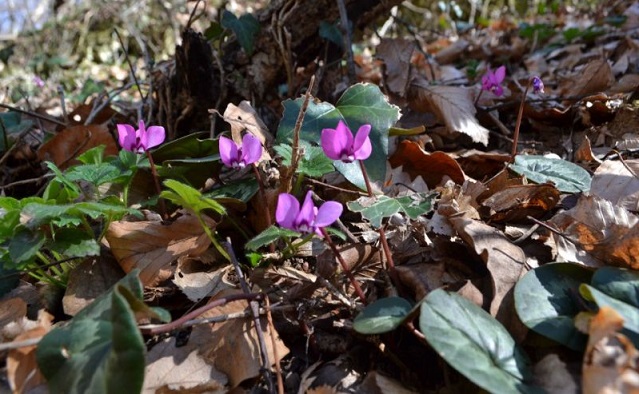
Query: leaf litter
x=456, y=215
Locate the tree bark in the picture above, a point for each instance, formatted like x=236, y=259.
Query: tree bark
x=288, y=39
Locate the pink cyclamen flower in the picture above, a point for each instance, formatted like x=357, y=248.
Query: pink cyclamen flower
x=491, y=81
x=339, y=144
x=37, y=81
x=238, y=157
x=307, y=219
x=142, y=139
x=538, y=85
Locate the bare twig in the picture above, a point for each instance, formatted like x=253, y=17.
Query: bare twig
x=34, y=114
x=347, y=271
x=278, y=368
x=348, y=46
x=128, y=61
x=287, y=179
x=266, y=364
x=63, y=104
x=179, y=323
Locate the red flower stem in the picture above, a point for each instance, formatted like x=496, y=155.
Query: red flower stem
x=262, y=195
x=156, y=178
x=513, y=152
x=382, y=234
x=174, y=325
x=345, y=268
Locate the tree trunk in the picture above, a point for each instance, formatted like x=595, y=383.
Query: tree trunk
x=288, y=39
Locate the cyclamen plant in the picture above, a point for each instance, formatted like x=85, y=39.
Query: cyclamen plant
x=538, y=87
x=140, y=141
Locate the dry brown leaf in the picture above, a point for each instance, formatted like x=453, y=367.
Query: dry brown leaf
x=196, y=281
x=88, y=280
x=610, y=362
x=152, y=246
x=180, y=369
x=12, y=309
x=432, y=167
x=453, y=105
x=422, y=278
x=244, y=118
x=516, y=203
x=601, y=230
x=595, y=77
x=396, y=54
x=22, y=367
x=618, y=183
x=71, y=142
x=505, y=262
x=233, y=346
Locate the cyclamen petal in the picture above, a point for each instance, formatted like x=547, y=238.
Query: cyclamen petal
x=306, y=216
x=287, y=209
x=362, y=147
x=228, y=151
x=251, y=149
x=126, y=136
x=155, y=136
x=328, y=213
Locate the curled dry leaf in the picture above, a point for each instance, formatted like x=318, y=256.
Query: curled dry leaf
x=453, y=105
x=12, y=309
x=516, y=203
x=171, y=368
x=396, y=54
x=196, y=281
x=432, y=167
x=596, y=228
x=610, y=362
x=618, y=183
x=153, y=246
x=505, y=262
x=22, y=367
x=232, y=346
x=88, y=280
x=71, y=142
x=595, y=77
x=244, y=118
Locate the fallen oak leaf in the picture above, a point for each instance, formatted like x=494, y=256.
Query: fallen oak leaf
x=453, y=105
x=153, y=246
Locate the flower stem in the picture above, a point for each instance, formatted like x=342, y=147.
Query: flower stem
x=382, y=234
x=156, y=178
x=262, y=195
x=345, y=268
x=520, y=114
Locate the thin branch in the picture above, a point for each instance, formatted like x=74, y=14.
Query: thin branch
x=34, y=114
x=266, y=364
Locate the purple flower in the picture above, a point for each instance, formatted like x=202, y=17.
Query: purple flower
x=538, y=85
x=239, y=157
x=142, y=139
x=339, y=144
x=309, y=219
x=37, y=81
x=491, y=81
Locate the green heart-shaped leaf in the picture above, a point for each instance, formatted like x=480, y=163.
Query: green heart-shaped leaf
x=475, y=344
x=546, y=301
x=382, y=316
x=360, y=104
x=567, y=177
